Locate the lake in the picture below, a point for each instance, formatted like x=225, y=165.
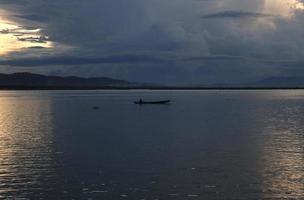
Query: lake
x=204, y=145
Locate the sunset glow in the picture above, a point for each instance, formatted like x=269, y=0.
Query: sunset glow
x=14, y=37
x=283, y=8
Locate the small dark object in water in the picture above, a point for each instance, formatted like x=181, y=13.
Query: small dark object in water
x=140, y=102
x=95, y=107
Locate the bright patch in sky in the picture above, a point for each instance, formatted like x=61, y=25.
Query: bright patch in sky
x=283, y=8
x=14, y=37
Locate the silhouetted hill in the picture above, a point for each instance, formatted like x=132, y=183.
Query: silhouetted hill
x=25, y=81
x=29, y=80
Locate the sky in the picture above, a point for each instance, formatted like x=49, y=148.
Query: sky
x=181, y=42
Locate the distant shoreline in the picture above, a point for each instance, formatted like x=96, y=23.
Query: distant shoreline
x=29, y=81
x=25, y=88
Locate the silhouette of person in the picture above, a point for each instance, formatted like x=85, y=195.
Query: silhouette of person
x=140, y=100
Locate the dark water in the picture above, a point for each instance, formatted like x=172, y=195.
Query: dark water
x=205, y=145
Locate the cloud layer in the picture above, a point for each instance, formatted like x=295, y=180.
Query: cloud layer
x=180, y=41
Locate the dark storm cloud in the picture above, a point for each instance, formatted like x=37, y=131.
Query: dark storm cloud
x=287, y=63
x=18, y=31
x=38, y=18
x=168, y=39
x=216, y=58
x=40, y=39
x=65, y=60
x=117, y=59
x=235, y=15
x=36, y=47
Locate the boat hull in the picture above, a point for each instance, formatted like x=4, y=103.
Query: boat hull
x=152, y=102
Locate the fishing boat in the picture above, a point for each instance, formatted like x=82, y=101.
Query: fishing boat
x=140, y=102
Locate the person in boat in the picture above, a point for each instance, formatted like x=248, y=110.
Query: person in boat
x=140, y=100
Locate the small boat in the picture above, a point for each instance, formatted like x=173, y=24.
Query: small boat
x=152, y=102
x=95, y=107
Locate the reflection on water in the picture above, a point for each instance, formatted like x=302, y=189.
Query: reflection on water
x=205, y=145
x=283, y=152
x=25, y=147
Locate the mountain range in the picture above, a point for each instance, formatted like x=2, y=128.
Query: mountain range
x=25, y=80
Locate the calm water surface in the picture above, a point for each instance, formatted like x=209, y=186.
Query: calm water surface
x=205, y=145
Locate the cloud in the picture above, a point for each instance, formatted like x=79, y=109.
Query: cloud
x=38, y=18
x=115, y=59
x=37, y=39
x=161, y=40
x=235, y=15
x=65, y=60
x=214, y=57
